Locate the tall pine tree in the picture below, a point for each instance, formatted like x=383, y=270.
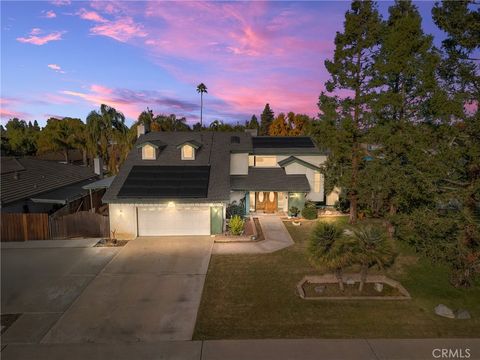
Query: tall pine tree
x=266, y=119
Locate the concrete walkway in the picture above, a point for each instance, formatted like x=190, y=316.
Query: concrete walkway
x=276, y=238
x=304, y=349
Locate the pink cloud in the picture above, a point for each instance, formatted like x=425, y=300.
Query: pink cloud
x=60, y=2
x=121, y=30
x=49, y=14
x=91, y=15
x=35, y=39
x=56, y=68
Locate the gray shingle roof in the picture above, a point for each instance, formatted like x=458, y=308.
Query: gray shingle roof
x=292, y=159
x=37, y=176
x=269, y=179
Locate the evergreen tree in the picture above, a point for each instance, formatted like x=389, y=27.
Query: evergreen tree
x=351, y=70
x=22, y=139
x=253, y=123
x=266, y=120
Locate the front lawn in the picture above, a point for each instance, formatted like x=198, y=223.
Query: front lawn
x=253, y=296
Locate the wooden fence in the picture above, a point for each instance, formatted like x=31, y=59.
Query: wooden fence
x=80, y=224
x=21, y=227
x=39, y=226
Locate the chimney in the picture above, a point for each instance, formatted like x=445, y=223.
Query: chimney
x=98, y=166
x=140, y=130
x=252, y=132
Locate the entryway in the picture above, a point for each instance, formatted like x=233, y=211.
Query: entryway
x=266, y=201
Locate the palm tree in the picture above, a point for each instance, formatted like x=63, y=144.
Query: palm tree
x=201, y=88
x=370, y=247
x=324, y=251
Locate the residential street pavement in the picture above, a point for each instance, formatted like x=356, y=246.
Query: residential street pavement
x=308, y=349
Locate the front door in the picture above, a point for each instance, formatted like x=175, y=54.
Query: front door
x=266, y=201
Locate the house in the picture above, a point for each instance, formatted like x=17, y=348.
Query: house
x=40, y=186
x=180, y=183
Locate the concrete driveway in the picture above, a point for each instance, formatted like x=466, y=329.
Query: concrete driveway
x=41, y=279
x=149, y=292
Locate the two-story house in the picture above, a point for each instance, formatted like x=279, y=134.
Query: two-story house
x=180, y=183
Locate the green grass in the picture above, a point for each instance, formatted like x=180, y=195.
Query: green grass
x=253, y=296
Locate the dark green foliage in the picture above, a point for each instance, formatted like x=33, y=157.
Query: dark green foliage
x=321, y=246
x=342, y=205
x=310, y=211
x=235, y=208
x=294, y=211
x=266, y=120
x=20, y=138
x=253, y=123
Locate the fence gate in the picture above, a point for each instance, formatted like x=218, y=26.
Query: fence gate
x=79, y=224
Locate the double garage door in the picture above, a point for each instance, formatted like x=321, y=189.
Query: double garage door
x=154, y=221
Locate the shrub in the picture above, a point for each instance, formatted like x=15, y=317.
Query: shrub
x=235, y=209
x=310, y=211
x=236, y=225
x=342, y=205
x=294, y=211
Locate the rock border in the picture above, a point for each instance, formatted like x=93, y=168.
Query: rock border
x=332, y=279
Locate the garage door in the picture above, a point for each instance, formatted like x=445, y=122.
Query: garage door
x=153, y=221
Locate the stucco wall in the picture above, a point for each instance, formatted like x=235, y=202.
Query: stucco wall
x=295, y=168
x=123, y=220
x=239, y=164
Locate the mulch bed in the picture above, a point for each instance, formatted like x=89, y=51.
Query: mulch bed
x=7, y=320
x=333, y=290
x=108, y=243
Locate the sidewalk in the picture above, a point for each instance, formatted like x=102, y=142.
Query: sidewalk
x=276, y=238
x=305, y=349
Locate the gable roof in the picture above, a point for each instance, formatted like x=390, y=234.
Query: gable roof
x=23, y=178
x=195, y=144
x=155, y=143
x=293, y=159
x=269, y=179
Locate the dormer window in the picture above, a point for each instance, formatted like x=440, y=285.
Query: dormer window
x=148, y=152
x=188, y=149
x=188, y=152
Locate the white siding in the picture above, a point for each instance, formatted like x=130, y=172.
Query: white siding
x=123, y=220
x=239, y=164
x=296, y=168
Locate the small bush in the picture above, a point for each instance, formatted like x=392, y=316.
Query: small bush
x=235, y=209
x=310, y=211
x=236, y=225
x=342, y=205
x=294, y=211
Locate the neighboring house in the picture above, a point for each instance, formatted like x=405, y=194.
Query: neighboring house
x=32, y=185
x=180, y=183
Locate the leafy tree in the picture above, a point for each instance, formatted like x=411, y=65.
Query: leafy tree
x=22, y=139
x=266, y=120
x=298, y=123
x=344, y=119
x=279, y=126
x=5, y=145
x=201, y=89
x=323, y=249
x=146, y=118
x=169, y=123
x=62, y=135
x=253, y=123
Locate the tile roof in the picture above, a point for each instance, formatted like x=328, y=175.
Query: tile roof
x=269, y=179
x=37, y=176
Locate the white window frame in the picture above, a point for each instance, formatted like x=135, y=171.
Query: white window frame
x=185, y=156
x=317, y=181
x=147, y=155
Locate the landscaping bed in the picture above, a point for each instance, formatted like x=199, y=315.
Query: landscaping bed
x=252, y=232
x=109, y=243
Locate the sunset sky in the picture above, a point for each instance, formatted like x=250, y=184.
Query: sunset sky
x=65, y=58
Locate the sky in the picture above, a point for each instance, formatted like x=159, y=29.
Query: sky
x=64, y=58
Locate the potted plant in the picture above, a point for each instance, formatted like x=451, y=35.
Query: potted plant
x=294, y=211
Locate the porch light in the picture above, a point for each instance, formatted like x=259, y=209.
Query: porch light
x=171, y=204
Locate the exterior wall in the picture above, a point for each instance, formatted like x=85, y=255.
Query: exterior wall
x=295, y=168
x=283, y=201
x=333, y=197
x=297, y=200
x=236, y=196
x=239, y=164
x=123, y=220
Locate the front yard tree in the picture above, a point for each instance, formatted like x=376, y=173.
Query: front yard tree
x=266, y=119
x=351, y=72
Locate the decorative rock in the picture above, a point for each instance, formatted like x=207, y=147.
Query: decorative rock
x=350, y=281
x=462, y=314
x=320, y=289
x=445, y=311
x=378, y=287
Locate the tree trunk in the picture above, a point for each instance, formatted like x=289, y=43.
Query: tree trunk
x=84, y=157
x=201, y=109
x=65, y=154
x=363, y=277
x=338, y=274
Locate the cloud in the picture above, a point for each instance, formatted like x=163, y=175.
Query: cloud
x=60, y=2
x=91, y=16
x=56, y=68
x=121, y=30
x=35, y=38
x=49, y=14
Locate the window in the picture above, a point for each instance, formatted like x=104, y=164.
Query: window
x=188, y=152
x=266, y=161
x=317, y=182
x=148, y=152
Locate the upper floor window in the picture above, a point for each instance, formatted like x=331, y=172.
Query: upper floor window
x=148, y=152
x=188, y=152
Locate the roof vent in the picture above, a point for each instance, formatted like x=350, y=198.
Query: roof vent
x=235, y=140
